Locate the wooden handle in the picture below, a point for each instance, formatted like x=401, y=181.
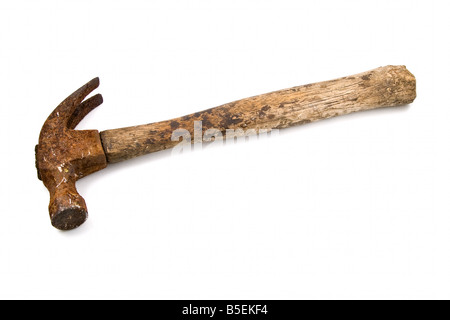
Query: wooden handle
x=381, y=87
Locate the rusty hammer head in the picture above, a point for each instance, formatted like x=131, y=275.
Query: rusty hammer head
x=65, y=155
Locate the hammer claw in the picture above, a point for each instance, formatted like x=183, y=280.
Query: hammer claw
x=65, y=110
x=75, y=98
x=83, y=109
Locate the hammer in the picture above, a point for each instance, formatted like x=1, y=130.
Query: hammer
x=65, y=155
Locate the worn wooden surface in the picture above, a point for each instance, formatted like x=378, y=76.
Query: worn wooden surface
x=381, y=87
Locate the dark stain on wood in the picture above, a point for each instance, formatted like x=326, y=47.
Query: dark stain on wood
x=206, y=123
x=265, y=108
x=174, y=125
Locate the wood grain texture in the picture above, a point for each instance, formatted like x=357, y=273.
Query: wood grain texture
x=382, y=87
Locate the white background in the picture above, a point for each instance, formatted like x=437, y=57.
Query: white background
x=354, y=207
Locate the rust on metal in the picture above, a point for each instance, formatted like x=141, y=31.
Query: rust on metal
x=65, y=155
